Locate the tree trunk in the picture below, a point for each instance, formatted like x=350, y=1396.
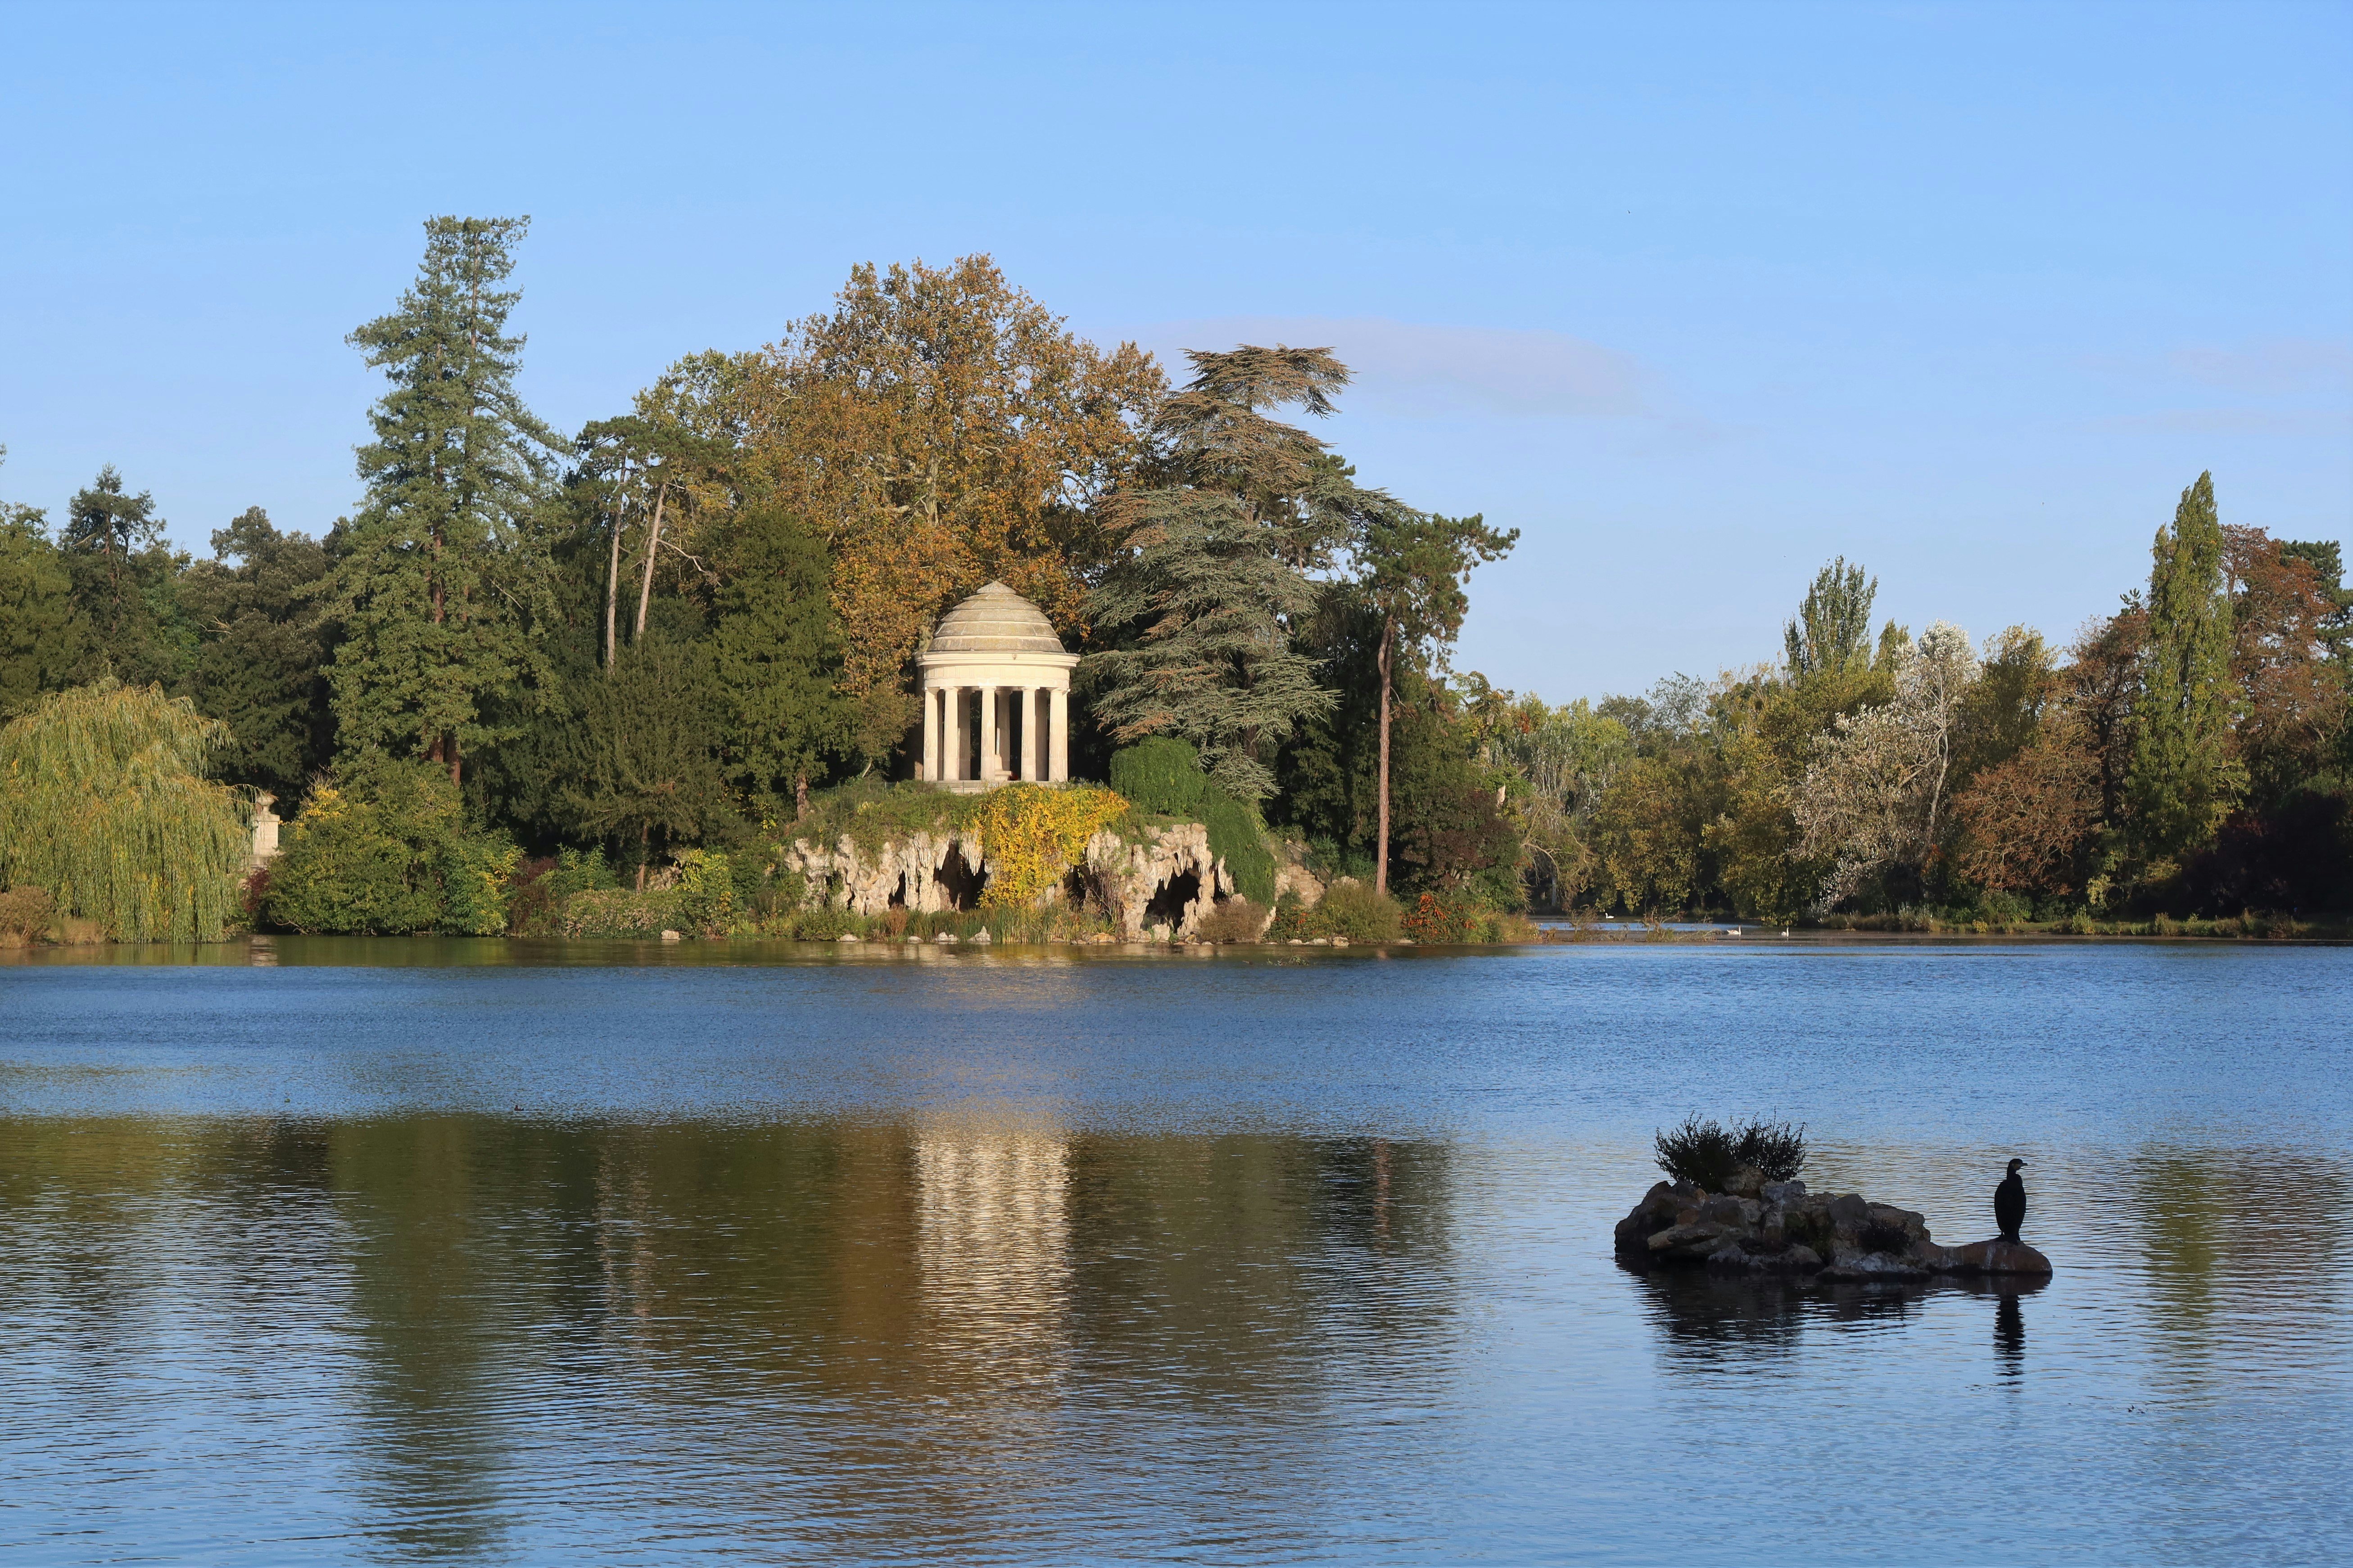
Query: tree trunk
x=653, y=543
x=800, y=796
x=645, y=832
x=453, y=758
x=1381, y=849
x=612, y=591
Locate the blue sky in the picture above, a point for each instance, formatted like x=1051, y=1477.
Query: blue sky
x=1694, y=296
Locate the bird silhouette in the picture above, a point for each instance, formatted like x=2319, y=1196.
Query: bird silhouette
x=2010, y=1203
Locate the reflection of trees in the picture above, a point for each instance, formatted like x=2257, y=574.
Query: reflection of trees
x=877, y=1327
x=2222, y=1227
x=430, y=1270
x=1262, y=1272
x=77, y=1205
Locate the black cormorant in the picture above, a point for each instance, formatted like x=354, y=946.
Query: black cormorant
x=2010, y=1203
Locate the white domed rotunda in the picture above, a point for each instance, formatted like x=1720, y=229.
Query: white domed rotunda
x=997, y=695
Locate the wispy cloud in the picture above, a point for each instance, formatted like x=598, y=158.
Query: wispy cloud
x=2240, y=421
x=1413, y=368
x=2259, y=366
x=2273, y=364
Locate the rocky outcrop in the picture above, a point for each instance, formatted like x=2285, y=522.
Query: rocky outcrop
x=1291, y=875
x=1779, y=1228
x=927, y=872
x=1160, y=888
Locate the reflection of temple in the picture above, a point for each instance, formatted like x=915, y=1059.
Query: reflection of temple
x=994, y=1238
x=996, y=694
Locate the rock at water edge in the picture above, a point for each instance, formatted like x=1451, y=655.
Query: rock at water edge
x=1995, y=1255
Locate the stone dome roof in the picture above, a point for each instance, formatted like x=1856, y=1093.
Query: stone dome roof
x=994, y=620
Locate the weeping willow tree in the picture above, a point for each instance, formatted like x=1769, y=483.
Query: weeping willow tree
x=104, y=803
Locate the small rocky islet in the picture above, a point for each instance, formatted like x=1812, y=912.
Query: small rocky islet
x=1757, y=1227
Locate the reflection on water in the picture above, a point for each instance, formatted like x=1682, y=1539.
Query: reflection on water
x=994, y=1240
x=880, y=1324
x=2009, y=1335
x=1304, y=1262
x=1709, y=1322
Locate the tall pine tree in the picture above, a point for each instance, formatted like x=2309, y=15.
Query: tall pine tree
x=2184, y=778
x=443, y=572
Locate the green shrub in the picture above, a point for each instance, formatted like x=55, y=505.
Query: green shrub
x=26, y=916
x=537, y=890
x=476, y=872
x=581, y=871
x=381, y=851
x=1698, y=1151
x=1159, y=774
x=1164, y=775
x=365, y=854
x=706, y=890
x=825, y=923
x=618, y=913
x=1354, y=910
x=1348, y=909
x=1707, y=1154
x=1232, y=920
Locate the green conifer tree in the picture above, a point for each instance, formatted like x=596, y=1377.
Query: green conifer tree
x=2183, y=779
x=1211, y=574
x=778, y=656
x=42, y=633
x=649, y=762
x=443, y=573
x=257, y=666
x=125, y=580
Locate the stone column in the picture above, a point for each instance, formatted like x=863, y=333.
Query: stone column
x=1033, y=735
x=952, y=763
x=931, y=769
x=992, y=725
x=1058, y=726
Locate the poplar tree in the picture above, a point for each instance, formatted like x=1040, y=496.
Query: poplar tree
x=2183, y=778
x=442, y=574
x=1831, y=629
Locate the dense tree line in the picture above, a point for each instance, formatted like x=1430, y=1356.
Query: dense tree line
x=665, y=630
x=660, y=634
x=2188, y=752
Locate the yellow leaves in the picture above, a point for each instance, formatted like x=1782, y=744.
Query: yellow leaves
x=1031, y=834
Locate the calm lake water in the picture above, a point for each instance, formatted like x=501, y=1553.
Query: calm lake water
x=385, y=1252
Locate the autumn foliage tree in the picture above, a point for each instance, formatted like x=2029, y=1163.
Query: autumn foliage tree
x=937, y=429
